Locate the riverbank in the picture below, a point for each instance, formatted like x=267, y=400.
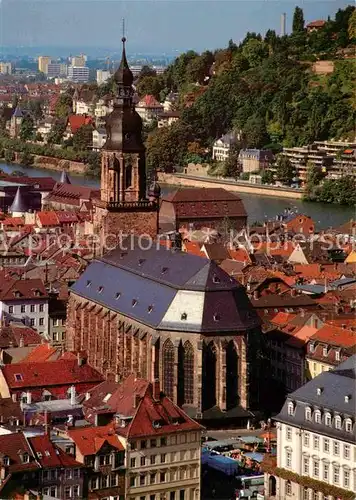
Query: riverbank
x=56, y=164
x=183, y=180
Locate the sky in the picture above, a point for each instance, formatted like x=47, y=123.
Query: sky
x=152, y=26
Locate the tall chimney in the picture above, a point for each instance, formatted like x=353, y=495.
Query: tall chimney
x=29, y=397
x=73, y=400
x=283, y=24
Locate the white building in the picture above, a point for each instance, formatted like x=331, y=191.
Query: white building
x=5, y=68
x=99, y=138
x=316, y=440
x=102, y=76
x=223, y=146
x=53, y=69
x=78, y=74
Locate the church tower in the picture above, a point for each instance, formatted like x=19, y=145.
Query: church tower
x=123, y=206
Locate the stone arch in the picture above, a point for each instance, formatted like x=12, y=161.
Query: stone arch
x=209, y=376
x=232, y=380
x=188, y=373
x=168, y=368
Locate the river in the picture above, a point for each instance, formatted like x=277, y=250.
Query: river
x=258, y=207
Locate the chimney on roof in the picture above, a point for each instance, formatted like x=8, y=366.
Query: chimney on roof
x=47, y=419
x=256, y=295
x=13, y=397
x=293, y=292
x=136, y=400
x=29, y=397
x=22, y=341
x=156, y=389
x=73, y=400
x=80, y=359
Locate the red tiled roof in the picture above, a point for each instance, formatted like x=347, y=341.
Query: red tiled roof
x=282, y=318
x=43, y=352
x=90, y=440
x=13, y=221
x=66, y=217
x=335, y=336
x=149, y=101
x=77, y=121
x=16, y=335
x=194, y=248
x=23, y=289
x=48, y=455
x=12, y=446
x=48, y=218
x=319, y=23
x=49, y=373
x=240, y=255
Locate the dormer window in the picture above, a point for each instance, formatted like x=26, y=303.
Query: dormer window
x=150, y=309
x=216, y=317
x=348, y=425
x=308, y=413
x=291, y=409
x=183, y=316
x=117, y=295
x=216, y=279
x=25, y=458
x=325, y=351
x=337, y=422
x=311, y=347
x=317, y=416
x=319, y=391
x=100, y=289
x=328, y=419
x=141, y=261
x=88, y=283
x=337, y=355
x=164, y=270
x=6, y=461
x=17, y=294
x=347, y=398
x=134, y=302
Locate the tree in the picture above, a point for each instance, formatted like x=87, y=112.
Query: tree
x=255, y=132
x=27, y=129
x=83, y=137
x=267, y=177
x=93, y=166
x=198, y=68
x=9, y=155
x=35, y=107
x=147, y=71
x=271, y=38
x=352, y=26
x=149, y=85
x=255, y=52
x=64, y=106
x=232, y=166
x=298, y=20
x=39, y=137
x=26, y=158
x=167, y=146
x=284, y=170
x=56, y=134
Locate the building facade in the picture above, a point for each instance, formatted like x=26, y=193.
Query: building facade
x=223, y=146
x=316, y=445
x=79, y=74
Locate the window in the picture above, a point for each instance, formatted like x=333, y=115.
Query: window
x=172, y=495
x=163, y=458
x=32, y=322
x=346, y=478
x=288, y=488
x=173, y=440
x=11, y=309
x=290, y=408
x=32, y=308
x=316, y=468
x=55, y=336
x=132, y=481
x=23, y=309
x=336, y=448
x=348, y=425
x=6, y=461
x=67, y=492
x=288, y=434
x=336, y=474
x=337, y=422
x=306, y=465
x=325, y=351
x=317, y=416
x=326, y=445
x=162, y=477
x=181, y=494
x=41, y=308
x=143, y=445
x=316, y=442
x=306, y=493
x=153, y=443
x=326, y=472
x=76, y=473
x=153, y=459
x=306, y=439
x=25, y=458
x=308, y=413
x=288, y=459
x=76, y=490
x=142, y=480
x=347, y=451
x=337, y=355
x=143, y=461
x=94, y=483
x=134, y=445
x=328, y=419
x=53, y=491
x=133, y=462
x=152, y=478
x=41, y=321
x=68, y=473
x=168, y=368
x=163, y=441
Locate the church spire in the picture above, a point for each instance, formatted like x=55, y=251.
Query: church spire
x=123, y=75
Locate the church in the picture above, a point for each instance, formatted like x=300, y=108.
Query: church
x=154, y=311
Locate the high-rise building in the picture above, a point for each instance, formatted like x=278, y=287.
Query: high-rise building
x=78, y=61
x=53, y=70
x=5, y=68
x=78, y=74
x=43, y=62
x=102, y=76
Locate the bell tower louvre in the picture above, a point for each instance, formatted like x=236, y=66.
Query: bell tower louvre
x=123, y=205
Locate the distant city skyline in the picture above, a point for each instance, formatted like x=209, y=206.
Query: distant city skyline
x=151, y=26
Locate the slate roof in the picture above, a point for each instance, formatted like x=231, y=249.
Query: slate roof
x=335, y=385
x=64, y=178
x=167, y=289
x=19, y=204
